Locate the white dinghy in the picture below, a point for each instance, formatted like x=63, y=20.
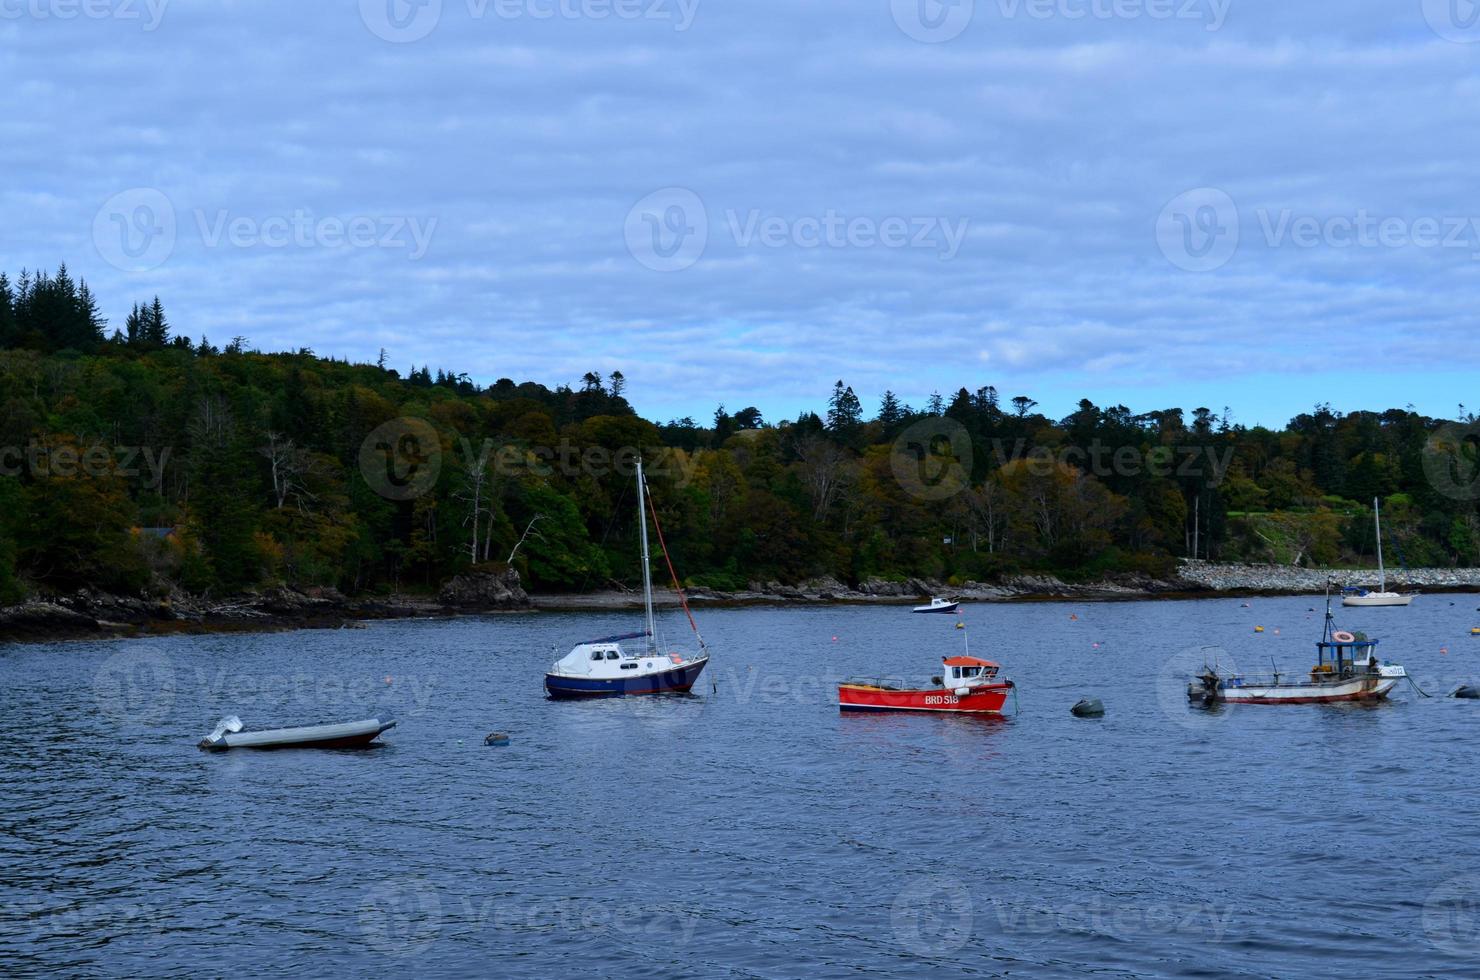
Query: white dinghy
x=346, y=735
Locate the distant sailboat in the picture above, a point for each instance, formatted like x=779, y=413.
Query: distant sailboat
x=604, y=668
x=1382, y=597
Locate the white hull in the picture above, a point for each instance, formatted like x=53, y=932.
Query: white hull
x=1377, y=599
x=1368, y=688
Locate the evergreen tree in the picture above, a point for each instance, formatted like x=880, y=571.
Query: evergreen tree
x=844, y=413
x=9, y=335
x=891, y=412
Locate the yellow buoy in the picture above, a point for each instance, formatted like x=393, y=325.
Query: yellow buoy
x=1259, y=629
x=1475, y=631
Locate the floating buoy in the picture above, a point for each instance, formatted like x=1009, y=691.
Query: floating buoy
x=496, y=738
x=1443, y=651
x=1259, y=629
x=1475, y=630
x=1243, y=605
x=387, y=680
x=1467, y=693
x=1095, y=646
x=1276, y=631
x=1073, y=617
x=960, y=626
x=1088, y=708
x=835, y=639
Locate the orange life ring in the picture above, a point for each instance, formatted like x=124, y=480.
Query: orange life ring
x=1342, y=636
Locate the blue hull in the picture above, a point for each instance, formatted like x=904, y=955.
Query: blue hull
x=676, y=681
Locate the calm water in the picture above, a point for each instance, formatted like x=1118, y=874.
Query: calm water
x=751, y=831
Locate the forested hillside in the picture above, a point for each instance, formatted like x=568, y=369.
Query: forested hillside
x=135, y=459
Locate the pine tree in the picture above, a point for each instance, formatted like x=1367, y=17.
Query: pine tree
x=844, y=414
x=618, y=383
x=133, y=327
x=891, y=413
x=157, y=328
x=9, y=335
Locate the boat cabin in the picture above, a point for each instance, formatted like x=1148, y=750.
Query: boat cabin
x=965, y=671
x=1343, y=655
x=608, y=659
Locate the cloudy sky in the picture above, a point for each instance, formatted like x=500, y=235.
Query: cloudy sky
x=1247, y=203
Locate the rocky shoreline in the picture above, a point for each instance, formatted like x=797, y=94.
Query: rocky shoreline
x=91, y=615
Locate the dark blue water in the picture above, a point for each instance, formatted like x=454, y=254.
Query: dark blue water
x=752, y=832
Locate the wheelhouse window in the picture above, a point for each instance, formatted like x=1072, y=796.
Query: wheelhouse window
x=613, y=655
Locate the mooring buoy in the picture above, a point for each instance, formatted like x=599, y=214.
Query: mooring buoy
x=1088, y=708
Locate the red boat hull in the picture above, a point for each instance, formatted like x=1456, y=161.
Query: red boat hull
x=986, y=699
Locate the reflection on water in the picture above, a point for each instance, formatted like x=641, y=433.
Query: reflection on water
x=748, y=829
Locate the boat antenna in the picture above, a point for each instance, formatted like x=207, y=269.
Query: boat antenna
x=683, y=599
x=1326, y=632
x=647, y=568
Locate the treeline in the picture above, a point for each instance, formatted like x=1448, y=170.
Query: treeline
x=138, y=460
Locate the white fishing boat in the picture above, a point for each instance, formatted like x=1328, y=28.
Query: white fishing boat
x=938, y=605
x=1382, y=597
x=1346, y=669
x=605, y=668
x=345, y=735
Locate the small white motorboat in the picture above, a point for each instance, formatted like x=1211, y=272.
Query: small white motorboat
x=938, y=605
x=346, y=735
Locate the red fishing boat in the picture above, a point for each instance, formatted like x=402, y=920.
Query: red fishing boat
x=969, y=686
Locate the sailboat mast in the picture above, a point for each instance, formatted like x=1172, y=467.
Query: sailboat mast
x=647, y=567
x=1381, y=572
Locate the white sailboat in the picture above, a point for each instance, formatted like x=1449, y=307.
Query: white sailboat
x=1382, y=597
x=604, y=668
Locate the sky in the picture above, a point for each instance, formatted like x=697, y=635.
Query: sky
x=1155, y=203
